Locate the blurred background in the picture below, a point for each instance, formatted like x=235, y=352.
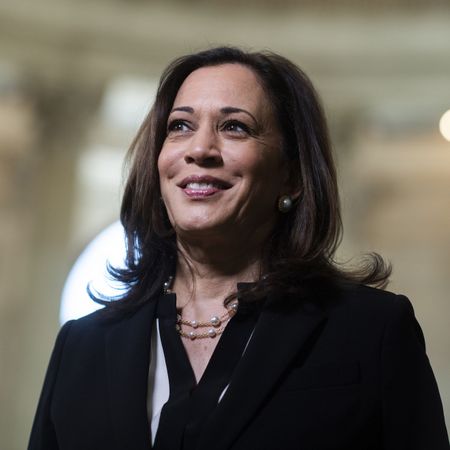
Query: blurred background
x=77, y=77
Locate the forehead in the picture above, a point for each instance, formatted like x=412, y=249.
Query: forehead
x=231, y=84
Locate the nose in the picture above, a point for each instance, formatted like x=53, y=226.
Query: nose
x=203, y=149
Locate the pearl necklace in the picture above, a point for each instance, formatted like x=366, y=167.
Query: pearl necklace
x=216, y=325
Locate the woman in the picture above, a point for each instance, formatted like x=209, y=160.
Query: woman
x=238, y=331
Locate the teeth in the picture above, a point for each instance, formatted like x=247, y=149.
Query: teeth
x=200, y=186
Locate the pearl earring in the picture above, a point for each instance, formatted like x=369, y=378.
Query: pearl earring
x=285, y=203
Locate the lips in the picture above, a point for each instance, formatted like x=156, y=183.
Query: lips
x=200, y=186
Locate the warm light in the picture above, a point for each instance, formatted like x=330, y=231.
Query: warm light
x=90, y=267
x=444, y=125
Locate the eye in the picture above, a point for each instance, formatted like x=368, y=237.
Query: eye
x=178, y=126
x=236, y=127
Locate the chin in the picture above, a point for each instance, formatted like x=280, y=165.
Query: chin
x=187, y=227
x=199, y=226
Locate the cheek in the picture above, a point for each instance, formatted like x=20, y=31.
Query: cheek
x=166, y=163
x=267, y=171
x=162, y=162
x=163, y=165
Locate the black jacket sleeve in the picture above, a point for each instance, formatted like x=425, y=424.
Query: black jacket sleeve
x=412, y=410
x=43, y=436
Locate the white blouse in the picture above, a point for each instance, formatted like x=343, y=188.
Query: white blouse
x=158, y=381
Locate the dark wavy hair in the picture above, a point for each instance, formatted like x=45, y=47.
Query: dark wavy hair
x=302, y=245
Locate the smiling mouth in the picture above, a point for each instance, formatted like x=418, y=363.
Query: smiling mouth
x=203, y=186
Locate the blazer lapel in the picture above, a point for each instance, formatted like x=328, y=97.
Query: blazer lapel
x=278, y=338
x=128, y=359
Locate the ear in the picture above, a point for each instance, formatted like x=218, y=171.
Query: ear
x=295, y=195
x=292, y=185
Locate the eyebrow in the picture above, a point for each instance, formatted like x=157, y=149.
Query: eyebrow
x=187, y=109
x=232, y=109
x=224, y=110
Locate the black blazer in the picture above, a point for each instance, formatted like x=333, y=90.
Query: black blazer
x=349, y=374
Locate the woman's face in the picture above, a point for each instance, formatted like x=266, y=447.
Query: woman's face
x=221, y=167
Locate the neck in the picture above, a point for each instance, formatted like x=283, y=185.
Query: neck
x=209, y=276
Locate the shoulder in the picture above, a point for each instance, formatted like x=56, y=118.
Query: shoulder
x=87, y=332
x=371, y=300
x=370, y=307
x=91, y=323
x=97, y=325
